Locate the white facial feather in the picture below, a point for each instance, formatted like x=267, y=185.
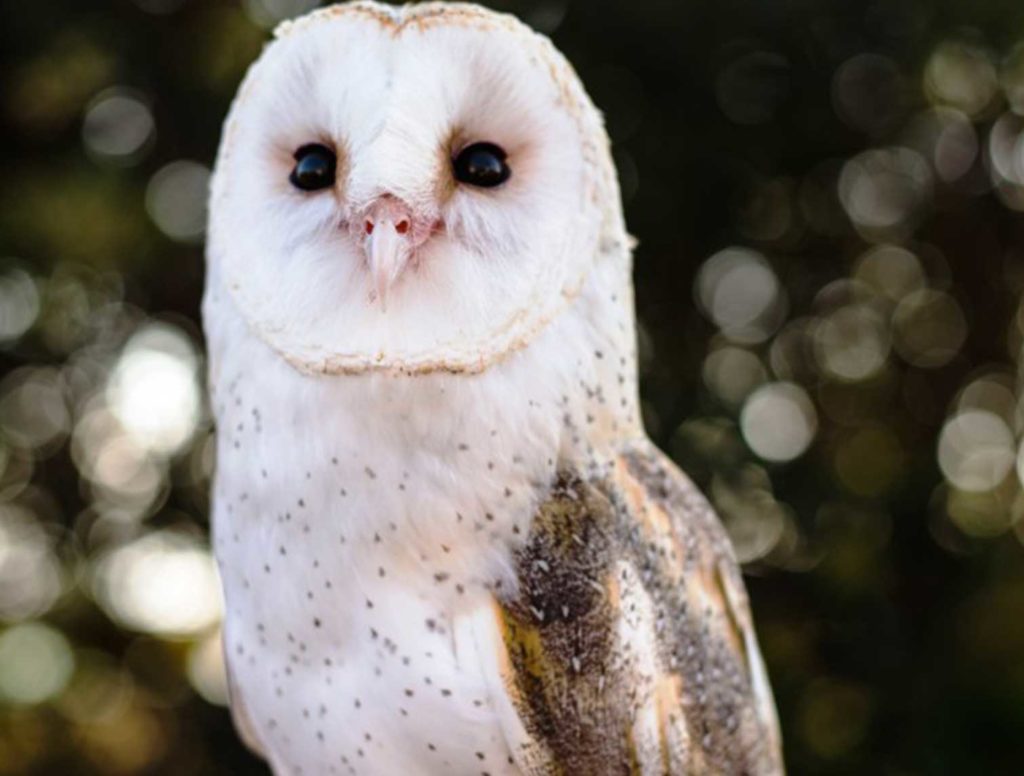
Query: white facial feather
x=396, y=94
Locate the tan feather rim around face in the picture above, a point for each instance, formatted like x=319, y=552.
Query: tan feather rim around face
x=519, y=328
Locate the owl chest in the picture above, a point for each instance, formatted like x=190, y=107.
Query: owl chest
x=357, y=531
x=346, y=591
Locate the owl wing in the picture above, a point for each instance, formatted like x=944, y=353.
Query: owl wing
x=628, y=645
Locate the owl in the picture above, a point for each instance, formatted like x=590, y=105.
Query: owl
x=446, y=544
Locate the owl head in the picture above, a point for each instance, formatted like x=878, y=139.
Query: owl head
x=409, y=189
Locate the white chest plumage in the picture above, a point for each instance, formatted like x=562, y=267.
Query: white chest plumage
x=362, y=523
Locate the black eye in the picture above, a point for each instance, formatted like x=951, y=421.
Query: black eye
x=314, y=167
x=481, y=164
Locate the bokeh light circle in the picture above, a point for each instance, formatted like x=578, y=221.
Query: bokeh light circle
x=852, y=342
x=163, y=583
x=732, y=373
x=778, y=421
x=929, y=328
x=118, y=126
x=19, y=304
x=738, y=290
x=154, y=388
x=176, y=200
x=36, y=662
x=976, y=450
x=884, y=191
x=961, y=75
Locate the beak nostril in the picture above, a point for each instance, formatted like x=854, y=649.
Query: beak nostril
x=402, y=226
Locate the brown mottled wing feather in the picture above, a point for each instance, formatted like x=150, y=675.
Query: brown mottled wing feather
x=629, y=646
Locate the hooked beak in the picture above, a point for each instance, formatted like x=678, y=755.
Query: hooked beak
x=389, y=236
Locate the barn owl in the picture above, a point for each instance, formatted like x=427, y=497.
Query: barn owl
x=446, y=544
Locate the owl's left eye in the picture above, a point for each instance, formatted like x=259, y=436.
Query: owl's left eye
x=481, y=164
x=314, y=167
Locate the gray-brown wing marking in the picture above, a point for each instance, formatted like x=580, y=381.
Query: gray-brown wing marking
x=628, y=648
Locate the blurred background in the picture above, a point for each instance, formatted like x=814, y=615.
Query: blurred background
x=829, y=199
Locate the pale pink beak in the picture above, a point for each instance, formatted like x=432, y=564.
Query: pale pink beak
x=390, y=234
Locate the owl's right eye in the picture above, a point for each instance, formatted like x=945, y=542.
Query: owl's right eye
x=314, y=167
